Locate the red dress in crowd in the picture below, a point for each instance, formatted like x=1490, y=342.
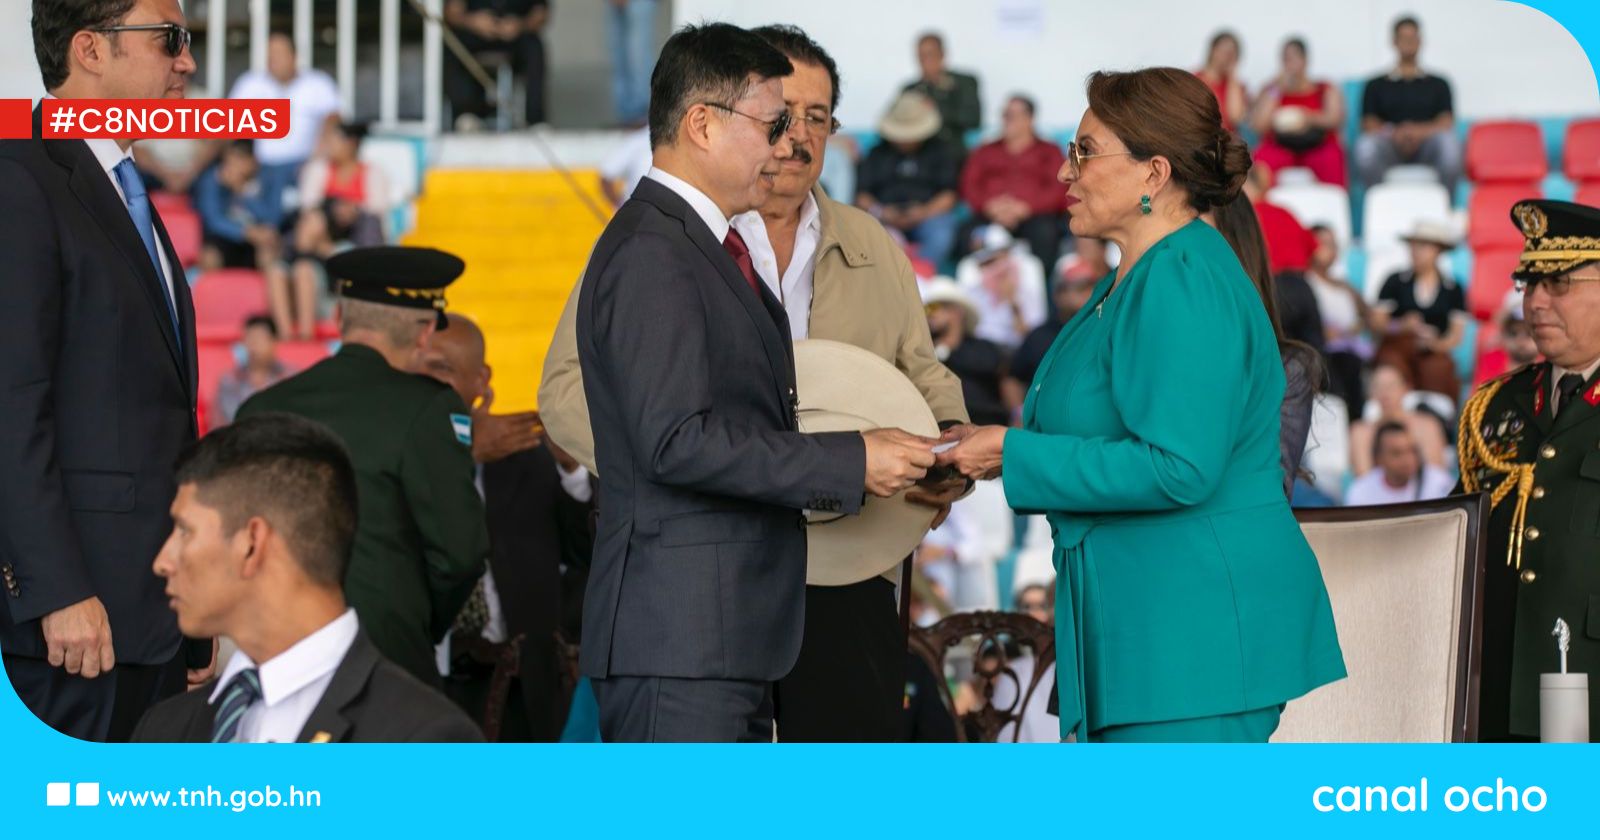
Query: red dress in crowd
x=1325, y=159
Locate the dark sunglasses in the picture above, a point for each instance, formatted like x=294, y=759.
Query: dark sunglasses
x=775, y=128
x=178, y=38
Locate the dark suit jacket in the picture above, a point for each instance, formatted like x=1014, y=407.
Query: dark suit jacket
x=539, y=537
x=97, y=396
x=369, y=700
x=700, y=555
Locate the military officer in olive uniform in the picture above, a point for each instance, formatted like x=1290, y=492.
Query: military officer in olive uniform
x=1532, y=440
x=421, y=542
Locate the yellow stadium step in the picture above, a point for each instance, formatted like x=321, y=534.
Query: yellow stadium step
x=525, y=236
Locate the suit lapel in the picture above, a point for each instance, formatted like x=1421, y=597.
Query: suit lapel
x=764, y=311
x=1585, y=406
x=93, y=189
x=1047, y=365
x=328, y=721
x=183, y=302
x=1539, y=402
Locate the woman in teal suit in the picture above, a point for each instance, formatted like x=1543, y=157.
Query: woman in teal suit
x=1189, y=607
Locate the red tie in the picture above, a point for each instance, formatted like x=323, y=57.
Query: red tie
x=734, y=245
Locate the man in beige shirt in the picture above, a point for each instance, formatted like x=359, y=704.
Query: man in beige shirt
x=840, y=277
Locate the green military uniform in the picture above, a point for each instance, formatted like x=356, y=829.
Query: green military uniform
x=1538, y=454
x=421, y=540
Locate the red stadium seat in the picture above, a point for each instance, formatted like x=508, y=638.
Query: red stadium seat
x=1489, y=222
x=214, y=359
x=1491, y=279
x=170, y=202
x=1580, y=158
x=299, y=355
x=1506, y=151
x=1588, y=194
x=223, y=299
x=183, y=225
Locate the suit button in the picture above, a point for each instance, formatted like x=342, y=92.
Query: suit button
x=1538, y=492
x=1531, y=534
x=1547, y=452
x=1528, y=576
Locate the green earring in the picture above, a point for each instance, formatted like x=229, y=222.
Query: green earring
x=1144, y=204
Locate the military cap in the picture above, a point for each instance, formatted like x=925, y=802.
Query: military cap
x=414, y=278
x=1560, y=236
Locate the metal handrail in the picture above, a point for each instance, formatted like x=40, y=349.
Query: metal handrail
x=453, y=43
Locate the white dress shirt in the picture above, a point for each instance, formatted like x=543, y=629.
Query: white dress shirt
x=313, y=96
x=1373, y=489
x=793, y=287
x=1557, y=371
x=292, y=683
x=703, y=206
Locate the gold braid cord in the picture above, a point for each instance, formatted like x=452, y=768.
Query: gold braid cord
x=1474, y=454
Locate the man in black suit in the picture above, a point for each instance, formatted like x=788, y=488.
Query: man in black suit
x=538, y=502
x=696, y=598
x=264, y=520
x=97, y=387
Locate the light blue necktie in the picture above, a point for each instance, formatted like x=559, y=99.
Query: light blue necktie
x=139, y=208
x=242, y=690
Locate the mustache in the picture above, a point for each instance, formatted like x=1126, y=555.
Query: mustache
x=801, y=155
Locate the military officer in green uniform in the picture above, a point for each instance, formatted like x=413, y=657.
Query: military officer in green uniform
x=1531, y=439
x=421, y=542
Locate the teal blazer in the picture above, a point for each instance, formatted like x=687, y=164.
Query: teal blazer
x=1150, y=442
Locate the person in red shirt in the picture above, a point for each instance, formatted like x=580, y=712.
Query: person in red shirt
x=1289, y=244
x=1012, y=182
x=1221, y=74
x=1299, y=120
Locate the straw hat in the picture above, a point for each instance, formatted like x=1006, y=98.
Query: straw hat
x=845, y=388
x=1436, y=233
x=912, y=118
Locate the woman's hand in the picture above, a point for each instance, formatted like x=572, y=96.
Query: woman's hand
x=977, y=456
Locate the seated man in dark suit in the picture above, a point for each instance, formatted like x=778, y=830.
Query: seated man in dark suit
x=262, y=528
x=538, y=501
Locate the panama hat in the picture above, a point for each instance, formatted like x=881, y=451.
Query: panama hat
x=842, y=387
x=1436, y=233
x=912, y=118
x=945, y=290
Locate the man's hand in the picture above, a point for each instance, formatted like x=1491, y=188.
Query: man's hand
x=566, y=462
x=895, y=460
x=79, y=638
x=198, y=676
x=941, y=495
x=498, y=436
x=483, y=24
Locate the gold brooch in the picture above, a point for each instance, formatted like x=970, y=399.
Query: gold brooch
x=1532, y=220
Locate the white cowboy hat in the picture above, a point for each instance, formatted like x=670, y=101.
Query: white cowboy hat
x=1427, y=230
x=912, y=118
x=845, y=388
x=944, y=290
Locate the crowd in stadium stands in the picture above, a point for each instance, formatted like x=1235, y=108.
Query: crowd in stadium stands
x=1399, y=335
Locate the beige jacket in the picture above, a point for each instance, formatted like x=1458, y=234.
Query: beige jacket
x=864, y=294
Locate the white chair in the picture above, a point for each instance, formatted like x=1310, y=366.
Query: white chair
x=1328, y=446
x=1411, y=173
x=1294, y=175
x=1406, y=586
x=1391, y=210
x=1317, y=204
x=1382, y=262
x=397, y=158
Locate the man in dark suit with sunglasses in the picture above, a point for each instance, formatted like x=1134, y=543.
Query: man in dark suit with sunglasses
x=696, y=596
x=97, y=385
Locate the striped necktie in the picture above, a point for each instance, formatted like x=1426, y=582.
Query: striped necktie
x=242, y=690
